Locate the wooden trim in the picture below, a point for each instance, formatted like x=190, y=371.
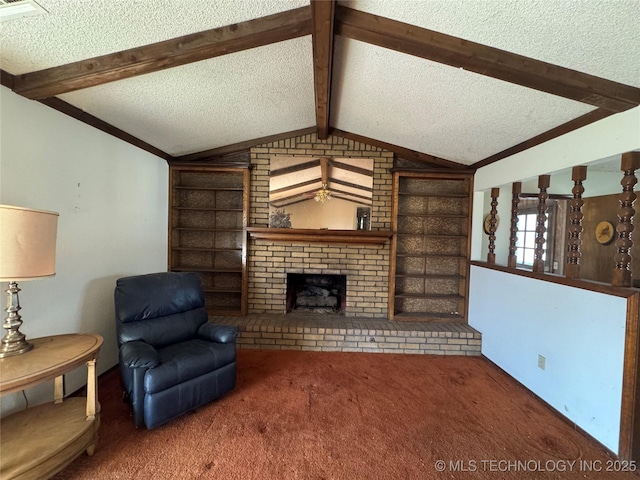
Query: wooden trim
x=512, y=259
x=393, y=265
x=162, y=55
x=570, y=282
x=84, y=117
x=303, y=235
x=555, y=132
x=629, y=444
x=543, y=184
x=622, y=275
x=6, y=79
x=240, y=146
x=401, y=151
x=493, y=220
x=574, y=248
x=322, y=15
x=312, y=163
x=485, y=60
x=246, y=204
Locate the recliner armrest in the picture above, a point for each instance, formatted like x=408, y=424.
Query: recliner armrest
x=139, y=354
x=218, y=333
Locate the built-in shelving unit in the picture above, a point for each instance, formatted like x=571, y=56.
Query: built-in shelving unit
x=207, y=232
x=430, y=248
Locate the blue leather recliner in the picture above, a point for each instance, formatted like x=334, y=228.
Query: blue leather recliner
x=172, y=360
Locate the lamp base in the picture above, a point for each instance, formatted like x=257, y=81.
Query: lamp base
x=7, y=350
x=14, y=342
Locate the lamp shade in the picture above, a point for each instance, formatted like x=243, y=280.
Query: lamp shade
x=27, y=243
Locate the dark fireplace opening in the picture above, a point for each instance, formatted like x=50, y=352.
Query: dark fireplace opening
x=316, y=293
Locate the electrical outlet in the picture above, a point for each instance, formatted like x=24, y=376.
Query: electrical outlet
x=542, y=362
x=555, y=265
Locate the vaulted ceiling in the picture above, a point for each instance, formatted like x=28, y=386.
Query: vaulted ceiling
x=449, y=83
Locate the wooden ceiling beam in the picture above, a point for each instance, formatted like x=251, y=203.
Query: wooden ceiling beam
x=288, y=188
x=84, y=117
x=167, y=54
x=485, y=60
x=322, y=14
x=312, y=163
x=570, y=126
x=401, y=151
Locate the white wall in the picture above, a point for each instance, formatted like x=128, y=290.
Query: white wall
x=580, y=334
x=113, y=206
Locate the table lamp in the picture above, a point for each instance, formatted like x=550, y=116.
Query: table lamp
x=27, y=252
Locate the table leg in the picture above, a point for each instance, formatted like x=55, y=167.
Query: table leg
x=58, y=389
x=92, y=389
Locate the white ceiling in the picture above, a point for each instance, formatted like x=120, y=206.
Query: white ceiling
x=377, y=93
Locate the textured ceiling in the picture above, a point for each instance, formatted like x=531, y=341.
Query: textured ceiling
x=78, y=29
x=599, y=37
x=449, y=113
x=377, y=93
x=212, y=103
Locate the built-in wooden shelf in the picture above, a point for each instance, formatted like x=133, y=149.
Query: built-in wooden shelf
x=208, y=213
x=302, y=235
x=430, y=252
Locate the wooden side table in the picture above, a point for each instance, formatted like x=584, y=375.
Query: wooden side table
x=40, y=441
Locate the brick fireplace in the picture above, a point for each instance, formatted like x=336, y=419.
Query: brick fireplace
x=364, y=327
x=366, y=267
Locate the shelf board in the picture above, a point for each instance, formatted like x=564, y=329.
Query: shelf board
x=202, y=249
x=208, y=229
x=429, y=296
x=206, y=270
x=434, y=215
x=431, y=276
x=58, y=433
x=436, y=195
x=207, y=209
x=214, y=189
x=428, y=317
x=426, y=235
x=430, y=255
x=222, y=290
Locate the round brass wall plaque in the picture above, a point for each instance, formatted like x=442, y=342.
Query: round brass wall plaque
x=487, y=223
x=605, y=232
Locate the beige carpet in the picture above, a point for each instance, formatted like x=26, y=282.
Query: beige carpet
x=316, y=415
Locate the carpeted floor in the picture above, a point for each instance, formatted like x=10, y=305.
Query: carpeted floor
x=317, y=415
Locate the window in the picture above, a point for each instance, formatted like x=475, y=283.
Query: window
x=526, y=239
x=526, y=242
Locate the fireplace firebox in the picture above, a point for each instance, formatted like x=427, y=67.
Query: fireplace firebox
x=316, y=293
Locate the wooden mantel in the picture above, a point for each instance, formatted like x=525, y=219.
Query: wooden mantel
x=302, y=235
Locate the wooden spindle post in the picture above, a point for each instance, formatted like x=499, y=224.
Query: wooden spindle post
x=578, y=175
x=622, y=276
x=493, y=216
x=543, y=183
x=516, y=189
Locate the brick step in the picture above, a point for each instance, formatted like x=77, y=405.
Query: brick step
x=334, y=333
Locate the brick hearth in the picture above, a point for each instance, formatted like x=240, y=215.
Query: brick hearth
x=329, y=333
